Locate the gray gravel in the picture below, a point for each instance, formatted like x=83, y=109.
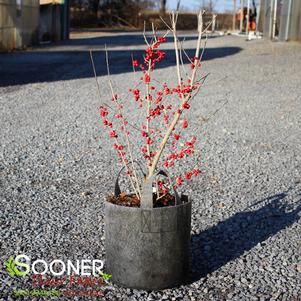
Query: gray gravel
x=56, y=165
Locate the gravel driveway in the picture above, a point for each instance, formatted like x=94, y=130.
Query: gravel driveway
x=56, y=165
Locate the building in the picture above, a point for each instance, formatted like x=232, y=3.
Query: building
x=290, y=20
x=281, y=19
x=27, y=22
x=54, y=20
x=19, y=23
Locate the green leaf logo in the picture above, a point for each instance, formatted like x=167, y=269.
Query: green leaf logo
x=12, y=269
x=10, y=266
x=105, y=276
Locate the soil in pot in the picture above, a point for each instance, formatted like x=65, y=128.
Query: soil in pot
x=131, y=200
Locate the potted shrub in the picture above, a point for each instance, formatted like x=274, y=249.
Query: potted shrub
x=147, y=231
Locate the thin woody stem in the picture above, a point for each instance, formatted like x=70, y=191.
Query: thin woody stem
x=97, y=83
x=123, y=159
x=148, y=107
x=174, y=23
x=181, y=59
x=122, y=156
x=187, y=96
x=98, y=89
x=95, y=75
x=165, y=24
x=144, y=35
x=137, y=189
x=148, y=112
x=162, y=196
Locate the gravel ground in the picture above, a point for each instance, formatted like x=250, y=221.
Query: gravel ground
x=56, y=165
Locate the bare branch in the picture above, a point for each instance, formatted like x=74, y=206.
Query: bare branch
x=144, y=35
x=129, y=148
x=187, y=56
x=165, y=24
x=98, y=90
x=186, y=98
x=174, y=32
x=154, y=32
x=181, y=58
x=95, y=75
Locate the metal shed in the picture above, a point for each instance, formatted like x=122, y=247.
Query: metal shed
x=54, y=20
x=282, y=19
x=19, y=22
x=26, y=22
x=290, y=20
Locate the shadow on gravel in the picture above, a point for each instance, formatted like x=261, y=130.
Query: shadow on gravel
x=121, y=40
x=230, y=238
x=20, y=68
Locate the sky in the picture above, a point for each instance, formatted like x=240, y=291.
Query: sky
x=220, y=5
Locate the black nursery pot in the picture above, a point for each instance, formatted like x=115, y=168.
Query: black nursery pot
x=148, y=248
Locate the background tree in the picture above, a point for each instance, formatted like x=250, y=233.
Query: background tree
x=162, y=7
x=208, y=5
x=108, y=12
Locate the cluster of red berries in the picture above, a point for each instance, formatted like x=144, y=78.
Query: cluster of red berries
x=103, y=112
x=187, y=176
x=195, y=62
x=179, y=95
